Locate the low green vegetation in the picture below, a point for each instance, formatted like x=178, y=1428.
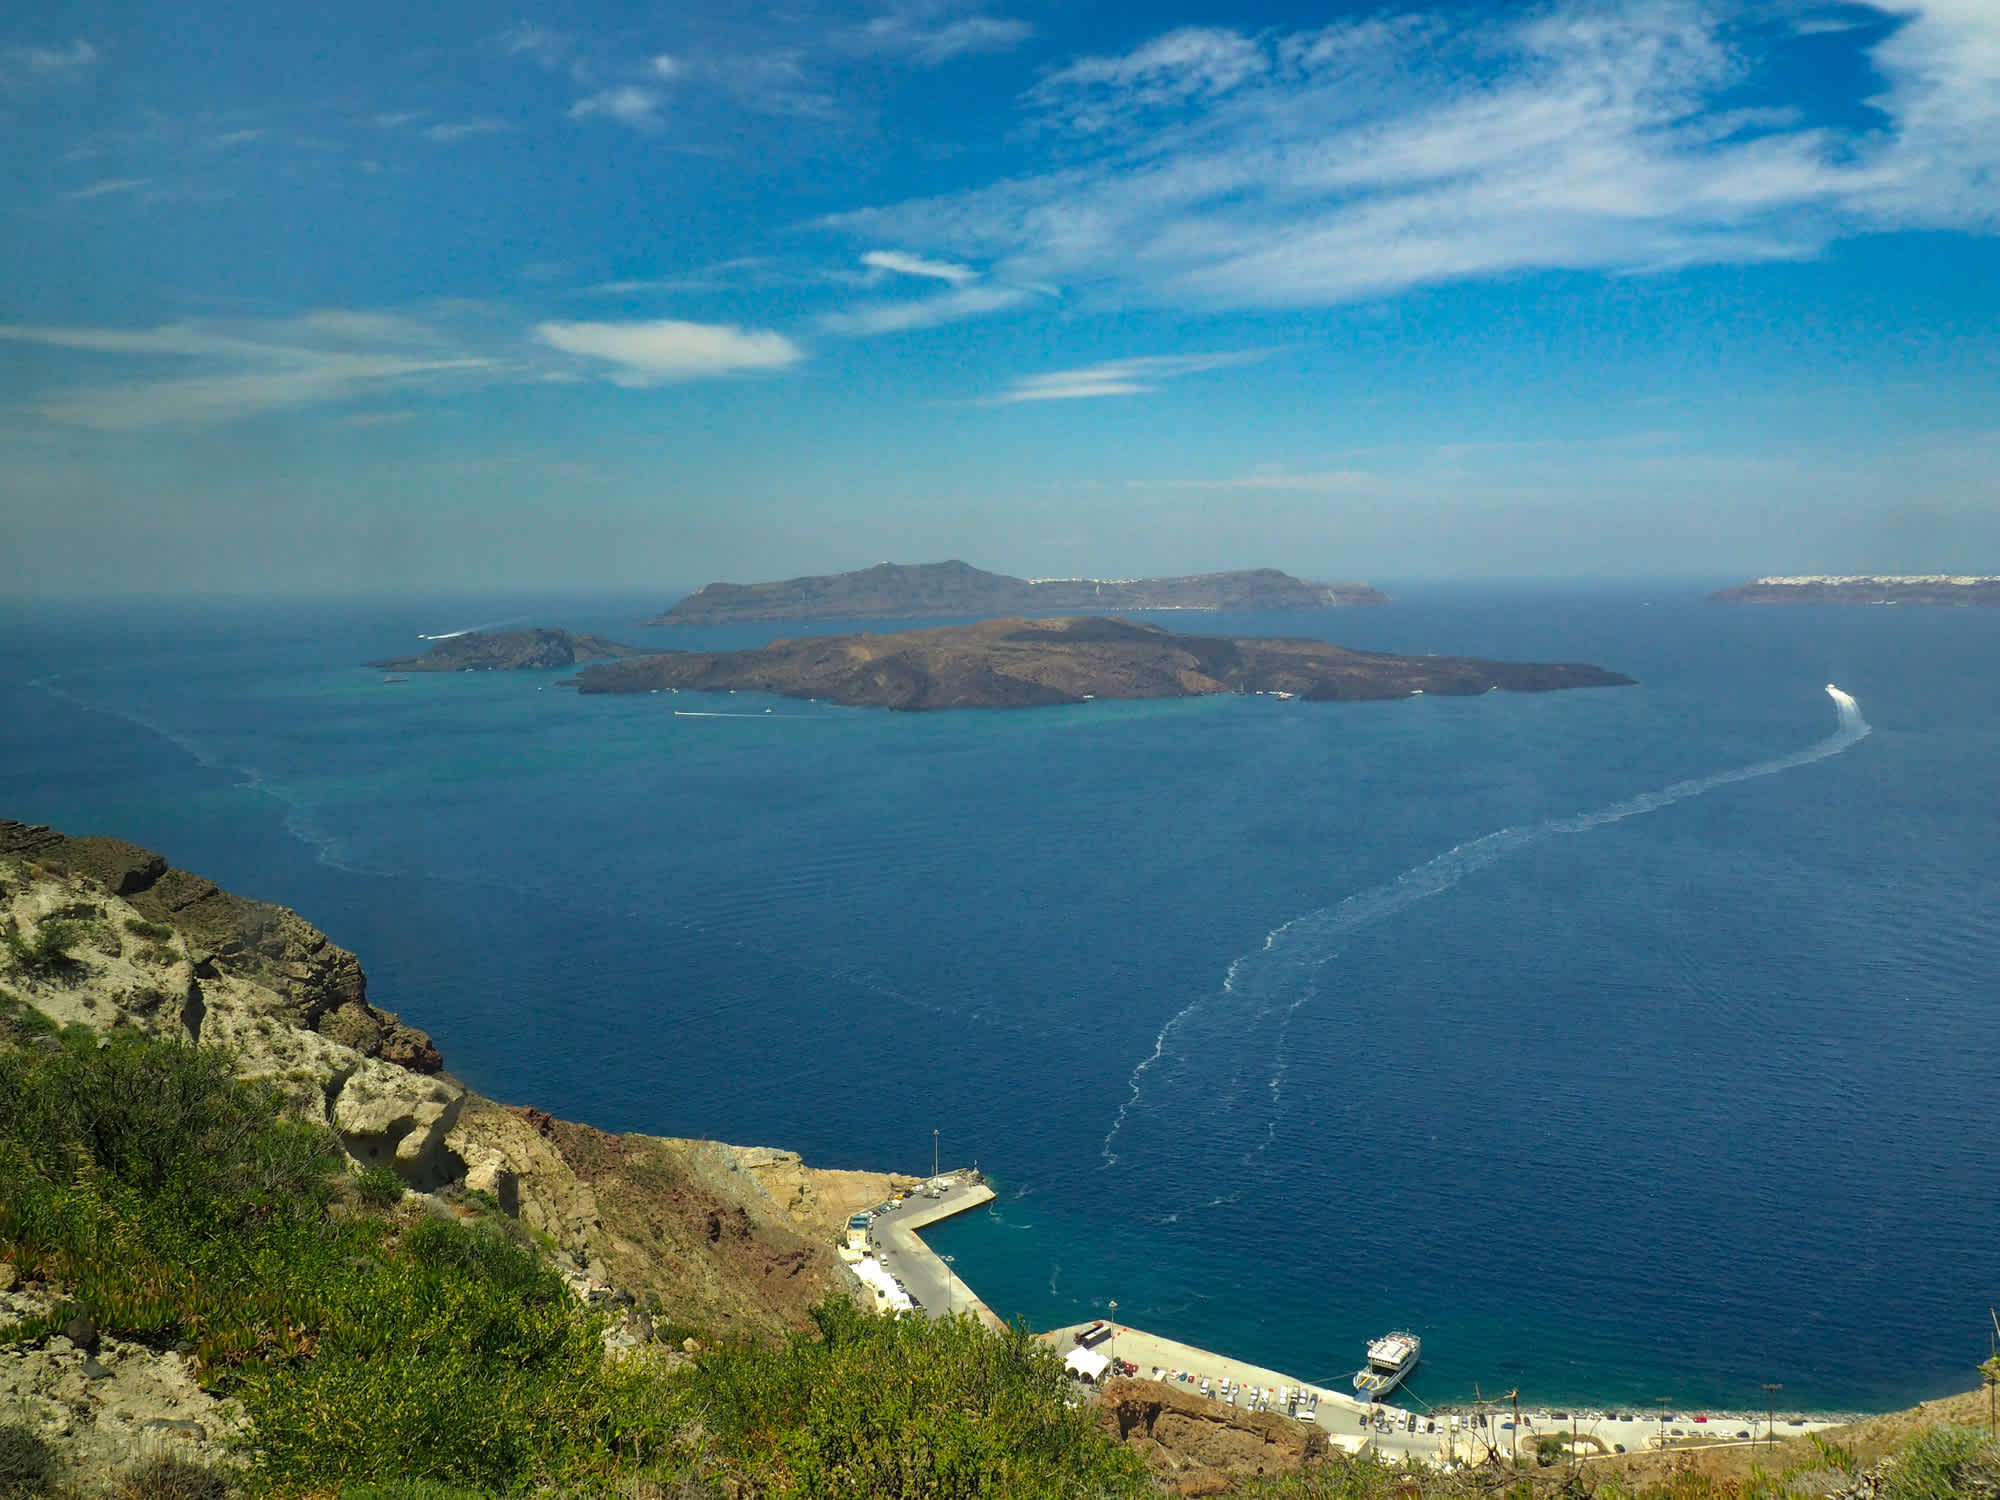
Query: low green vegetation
x=27, y=1463
x=418, y=1355
x=168, y=1477
x=48, y=950
x=378, y=1186
x=872, y=1406
x=1946, y=1463
x=153, y=932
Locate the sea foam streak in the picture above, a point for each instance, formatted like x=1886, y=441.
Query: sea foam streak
x=1262, y=986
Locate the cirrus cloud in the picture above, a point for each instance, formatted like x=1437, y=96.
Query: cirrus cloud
x=662, y=350
x=1212, y=167
x=1118, y=377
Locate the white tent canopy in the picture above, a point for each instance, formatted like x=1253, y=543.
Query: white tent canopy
x=1086, y=1364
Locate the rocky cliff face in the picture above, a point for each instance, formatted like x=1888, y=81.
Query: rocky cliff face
x=722, y=1238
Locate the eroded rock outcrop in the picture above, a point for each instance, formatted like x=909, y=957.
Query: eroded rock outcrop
x=158, y=950
x=1202, y=1447
x=311, y=978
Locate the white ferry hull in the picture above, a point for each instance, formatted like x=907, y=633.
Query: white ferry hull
x=1385, y=1370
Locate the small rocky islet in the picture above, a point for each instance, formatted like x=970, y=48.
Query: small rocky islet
x=509, y=651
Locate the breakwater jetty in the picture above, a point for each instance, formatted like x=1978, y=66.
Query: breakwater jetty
x=900, y=1272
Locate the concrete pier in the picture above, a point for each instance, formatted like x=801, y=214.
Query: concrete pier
x=894, y=1241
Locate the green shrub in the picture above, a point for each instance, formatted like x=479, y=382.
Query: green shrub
x=20, y=1021
x=153, y=1113
x=48, y=951
x=409, y=1489
x=379, y=1186
x=1935, y=1465
x=157, y=932
x=170, y=1477
x=907, y=1406
x=27, y=1463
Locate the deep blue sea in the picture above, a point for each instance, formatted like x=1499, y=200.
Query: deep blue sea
x=1623, y=1043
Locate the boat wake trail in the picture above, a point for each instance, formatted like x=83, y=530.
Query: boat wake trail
x=1271, y=983
x=452, y=635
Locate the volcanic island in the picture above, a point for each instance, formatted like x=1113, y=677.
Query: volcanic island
x=1022, y=663
x=918, y=591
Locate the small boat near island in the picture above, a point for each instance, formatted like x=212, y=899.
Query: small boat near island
x=393, y=678
x=1391, y=1358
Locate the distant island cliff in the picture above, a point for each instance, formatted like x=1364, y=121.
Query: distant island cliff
x=509, y=651
x=897, y=591
x=1864, y=588
x=1018, y=663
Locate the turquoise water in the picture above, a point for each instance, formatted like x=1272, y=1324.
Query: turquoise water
x=1537, y=1024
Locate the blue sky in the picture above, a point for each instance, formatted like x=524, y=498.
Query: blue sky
x=379, y=296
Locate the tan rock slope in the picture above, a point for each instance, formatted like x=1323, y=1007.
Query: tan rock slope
x=1196, y=1446
x=724, y=1239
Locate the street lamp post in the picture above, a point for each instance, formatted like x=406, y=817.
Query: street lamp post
x=1771, y=1414
x=1664, y=1401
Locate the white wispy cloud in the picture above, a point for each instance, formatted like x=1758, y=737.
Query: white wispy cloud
x=953, y=306
x=1184, y=66
x=55, y=64
x=206, y=400
x=543, y=44
x=903, y=264
x=931, y=32
x=1118, y=377
x=1316, y=482
x=628, y=104
x=450, y=132
x=1214, y=167
x=108, y=185
x=967, y=294
x=658, y=351
x=241, y=370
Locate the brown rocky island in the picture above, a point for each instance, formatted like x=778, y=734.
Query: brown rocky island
x=1015, y=663
x=915, y=591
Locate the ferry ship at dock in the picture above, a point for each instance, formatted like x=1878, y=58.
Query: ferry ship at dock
x=1391, y=1358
